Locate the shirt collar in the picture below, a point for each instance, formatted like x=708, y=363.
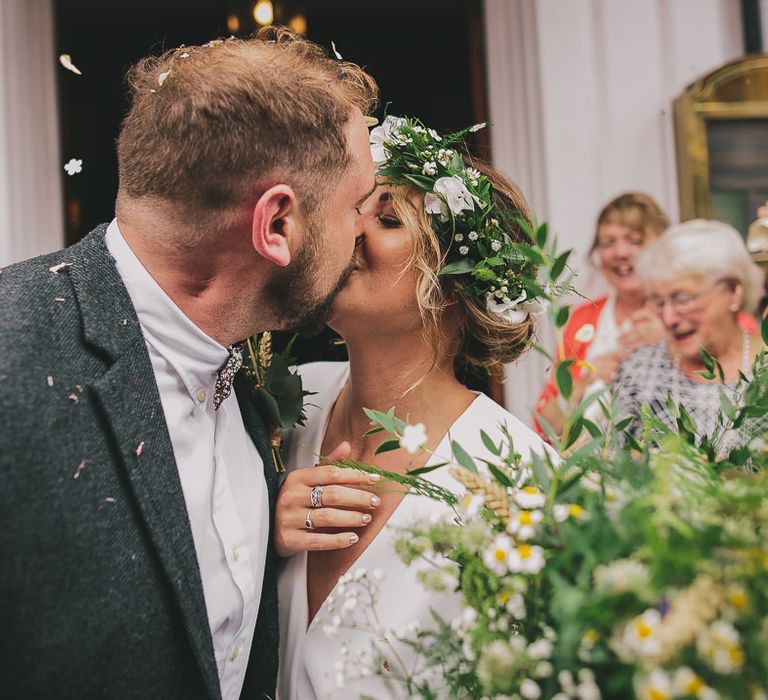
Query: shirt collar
x=193, y=354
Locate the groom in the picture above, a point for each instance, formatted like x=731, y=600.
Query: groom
x=136, y=484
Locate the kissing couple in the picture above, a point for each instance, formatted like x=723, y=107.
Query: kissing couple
x=144, y=531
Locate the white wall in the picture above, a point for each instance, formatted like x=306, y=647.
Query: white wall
x=580, y=97
x=31, y=218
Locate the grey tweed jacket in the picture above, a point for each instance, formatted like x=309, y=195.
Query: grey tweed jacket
x=100, y=590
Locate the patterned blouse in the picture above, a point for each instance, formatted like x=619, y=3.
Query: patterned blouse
x=648, y=375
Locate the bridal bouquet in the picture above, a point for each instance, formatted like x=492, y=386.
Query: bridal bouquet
x=613, y=574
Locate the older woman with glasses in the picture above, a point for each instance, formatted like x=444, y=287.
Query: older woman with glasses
x=700, y=280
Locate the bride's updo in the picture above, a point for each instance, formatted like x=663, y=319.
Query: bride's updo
x=485, y=339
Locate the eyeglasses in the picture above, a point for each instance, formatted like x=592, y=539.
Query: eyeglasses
x=681, y=302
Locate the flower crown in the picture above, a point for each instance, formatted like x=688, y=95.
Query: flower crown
x=459, y=199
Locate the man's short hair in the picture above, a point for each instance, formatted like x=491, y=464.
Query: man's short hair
x=209, y=125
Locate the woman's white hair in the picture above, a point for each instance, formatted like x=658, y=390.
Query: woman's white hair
x=705, y=248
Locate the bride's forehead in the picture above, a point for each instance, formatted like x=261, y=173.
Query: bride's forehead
x=385, y=194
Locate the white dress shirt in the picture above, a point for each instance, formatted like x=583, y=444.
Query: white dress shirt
x=221, y=472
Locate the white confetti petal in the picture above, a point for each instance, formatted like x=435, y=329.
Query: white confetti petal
x=335, y=52
x=55, y=269
x=74, y=166
x=162, y=77
x=66, y=60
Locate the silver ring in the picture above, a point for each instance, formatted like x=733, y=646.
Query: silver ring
x=316, y=497
x=308, y=521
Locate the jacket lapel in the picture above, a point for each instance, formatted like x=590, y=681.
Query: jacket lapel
x=129, y=397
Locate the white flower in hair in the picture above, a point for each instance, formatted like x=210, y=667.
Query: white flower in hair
x=507, y=309
x=455, y=196
x=389, y=131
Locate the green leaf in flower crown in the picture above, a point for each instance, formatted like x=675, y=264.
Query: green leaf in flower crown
x=458, y=267
x=562, y=316
x=764, y=329
x=484, y=274
x=530, y=253
x=563, y=379
x=559, y=265
x=421, y=181
x=462, y=457
x=373, y=431
x=387, y=446
x=541, y=235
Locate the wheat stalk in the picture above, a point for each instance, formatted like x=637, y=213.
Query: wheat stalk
x=495, y=495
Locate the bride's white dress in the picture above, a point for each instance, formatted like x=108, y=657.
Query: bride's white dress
x=329, y=660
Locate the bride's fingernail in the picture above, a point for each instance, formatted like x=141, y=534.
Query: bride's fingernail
x=375, y=501
x=366, y=519
x=374, y=477
x=353, y=538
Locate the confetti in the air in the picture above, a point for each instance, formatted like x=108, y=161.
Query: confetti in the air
x=56, y=268
x=74, y=166
x=66, y=60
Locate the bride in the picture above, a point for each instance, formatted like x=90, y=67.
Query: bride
x=408, y=332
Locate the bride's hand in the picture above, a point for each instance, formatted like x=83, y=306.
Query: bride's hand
x=343, y=507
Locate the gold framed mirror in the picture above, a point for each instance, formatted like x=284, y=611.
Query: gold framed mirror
x=721, y=132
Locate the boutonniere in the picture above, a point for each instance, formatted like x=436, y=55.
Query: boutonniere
x=277, y=389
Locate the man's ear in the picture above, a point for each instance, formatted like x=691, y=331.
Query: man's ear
x=274, y=223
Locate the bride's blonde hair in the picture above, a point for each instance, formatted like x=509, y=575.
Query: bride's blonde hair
x=484, y=339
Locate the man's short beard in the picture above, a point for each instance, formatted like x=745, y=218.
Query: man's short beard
x=287, y=290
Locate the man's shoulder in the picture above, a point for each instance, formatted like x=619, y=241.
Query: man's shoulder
x=24, y=284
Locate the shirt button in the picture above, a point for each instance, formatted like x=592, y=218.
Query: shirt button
x=200, y=395
x=233, y=655
x=235, y=556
